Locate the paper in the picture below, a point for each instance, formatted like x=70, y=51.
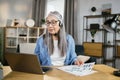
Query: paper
x=81, y=70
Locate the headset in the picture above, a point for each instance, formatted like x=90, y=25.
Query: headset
x=60, y=24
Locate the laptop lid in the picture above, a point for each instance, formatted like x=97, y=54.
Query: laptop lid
x=24, y=63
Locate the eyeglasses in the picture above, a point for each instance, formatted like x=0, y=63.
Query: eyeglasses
x=53, y=23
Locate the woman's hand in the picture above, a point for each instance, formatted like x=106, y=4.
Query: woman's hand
x=78, y=62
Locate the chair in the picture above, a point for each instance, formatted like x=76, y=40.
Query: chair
x=27, y=48
x=79, y=49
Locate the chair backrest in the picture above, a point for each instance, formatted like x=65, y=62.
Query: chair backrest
x=93, y=49
x=79, y=49
x=27, y=48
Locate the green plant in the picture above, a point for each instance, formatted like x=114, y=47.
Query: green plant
x=42, y=21
x=93, y=32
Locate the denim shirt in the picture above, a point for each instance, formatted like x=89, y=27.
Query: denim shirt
x=42, y=52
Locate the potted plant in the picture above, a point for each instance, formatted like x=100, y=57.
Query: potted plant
x=42, y=22
x=93, y=32
x=43, y=25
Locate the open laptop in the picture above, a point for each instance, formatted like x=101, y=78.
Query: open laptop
x=25, y=63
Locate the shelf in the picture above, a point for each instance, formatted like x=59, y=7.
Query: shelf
x=109, y=60
x=22, y=37
x=33, y=37
x=104, y=36
x=11, y=36
x=10, y=27
x=100, y=16
x=95, y=29
x=117, y=40
x=11, y=46
x=17, y=35
x=108, y=45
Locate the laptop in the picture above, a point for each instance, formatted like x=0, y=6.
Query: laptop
x=25, y=63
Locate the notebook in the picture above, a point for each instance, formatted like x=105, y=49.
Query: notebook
x=25, y=63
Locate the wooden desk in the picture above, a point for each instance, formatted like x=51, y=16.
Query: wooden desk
x=104, y=72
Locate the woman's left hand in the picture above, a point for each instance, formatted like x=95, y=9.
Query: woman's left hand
x=78, y=62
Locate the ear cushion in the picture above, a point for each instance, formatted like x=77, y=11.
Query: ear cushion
x=60, y=24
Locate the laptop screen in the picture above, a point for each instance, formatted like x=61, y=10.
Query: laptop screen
x=24, y=62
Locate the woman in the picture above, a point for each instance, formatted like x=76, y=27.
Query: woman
x=56, y=47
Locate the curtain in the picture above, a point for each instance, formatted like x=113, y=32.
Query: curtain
x=70, y=18
x=38, y=11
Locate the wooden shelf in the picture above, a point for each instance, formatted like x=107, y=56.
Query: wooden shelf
x=109, y=60
x=16, y=35
x=100, y=16
x=108, y=45
x=102, y=36
x=11, y=46
x=117, y=40
x=94, y=29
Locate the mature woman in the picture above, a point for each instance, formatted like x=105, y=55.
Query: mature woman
x=56, y=48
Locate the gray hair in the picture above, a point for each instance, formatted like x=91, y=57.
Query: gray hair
x=57, y=15
x=62, y=42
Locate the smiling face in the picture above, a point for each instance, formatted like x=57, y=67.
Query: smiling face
x=52, y=24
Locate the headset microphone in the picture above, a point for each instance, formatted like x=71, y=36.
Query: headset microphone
x=55, y=34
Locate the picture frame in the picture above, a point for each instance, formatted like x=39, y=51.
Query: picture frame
x=106, y=9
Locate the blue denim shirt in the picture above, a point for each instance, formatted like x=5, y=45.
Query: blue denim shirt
x=42, y=52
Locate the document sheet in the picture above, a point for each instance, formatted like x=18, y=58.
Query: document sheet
x=82, y=70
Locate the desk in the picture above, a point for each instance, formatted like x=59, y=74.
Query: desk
x=104, y=72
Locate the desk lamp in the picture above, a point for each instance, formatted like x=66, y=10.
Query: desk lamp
x=110, y=25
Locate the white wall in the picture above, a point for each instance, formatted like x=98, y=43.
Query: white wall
x=55, y=5
x=84, y=9
x=14, y=9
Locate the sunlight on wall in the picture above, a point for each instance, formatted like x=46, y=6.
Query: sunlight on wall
x=55, y=5
x=14, y=9
x=4, y=13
